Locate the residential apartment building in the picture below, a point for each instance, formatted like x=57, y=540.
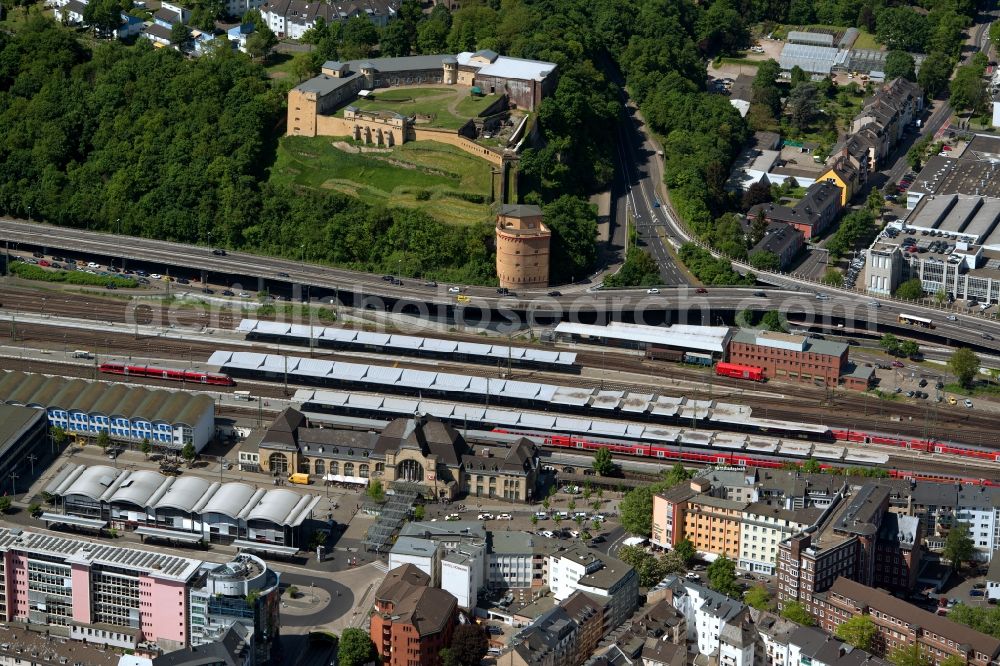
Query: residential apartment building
x=782, y=240
x=578, y=569
x=845, y=542
x=811, y=215
x=897, y=551
x=888, y=113
x=763, y=527
x=901, y=624
x=517, y=560
x=790, y=357
x=713, y=524
x=551, y=640
x=412, y=621
x=939, y=507
x=706, y=613
x=290, y=19
x=719, y=514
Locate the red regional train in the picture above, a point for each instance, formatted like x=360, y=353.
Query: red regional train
x=173, y=374
x=924, y=445
x=735, y=371
x=736, y=459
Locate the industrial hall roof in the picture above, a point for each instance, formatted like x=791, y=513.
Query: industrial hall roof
x=108, y=399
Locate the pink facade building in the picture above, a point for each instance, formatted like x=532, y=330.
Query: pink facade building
x=103, y=594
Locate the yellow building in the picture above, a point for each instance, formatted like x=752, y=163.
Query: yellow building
x=712, y=524
x=522, y=247
x=846, y=176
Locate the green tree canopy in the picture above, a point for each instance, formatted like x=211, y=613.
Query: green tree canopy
x=900, y=64
x=765, y=260
x=722, y=577
x=602, y=463
x=573, y=222
x=910, y=290
x=758, y=597
x=964, y=364
x=959, y=547
x=355, y=648
x=469, y=644
x=910, y=655
x=188, y=452
x=859, y=631
x=797, y=613
x=636, y=508
x=934, y=73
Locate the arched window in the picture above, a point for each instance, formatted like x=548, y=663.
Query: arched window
x=334, y=467
x=278, y=463
x=410, y=470
x=348, y=469
x=320, y=467
x=304, y=465
x=363, y=471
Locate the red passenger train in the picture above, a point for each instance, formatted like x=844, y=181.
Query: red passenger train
x=739, y=371
x=723, y=458
x=173, y=374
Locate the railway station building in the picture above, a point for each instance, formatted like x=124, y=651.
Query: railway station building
x=421, y=451
x=184, y=509
x=168, y=419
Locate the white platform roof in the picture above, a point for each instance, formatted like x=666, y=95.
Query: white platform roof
x=683, y=336
x=393, y=342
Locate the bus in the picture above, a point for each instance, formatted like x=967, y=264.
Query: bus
x=913, y=320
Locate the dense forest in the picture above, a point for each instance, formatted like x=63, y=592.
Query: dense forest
x=151, y=143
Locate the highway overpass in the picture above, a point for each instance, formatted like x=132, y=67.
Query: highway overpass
x=533, y=308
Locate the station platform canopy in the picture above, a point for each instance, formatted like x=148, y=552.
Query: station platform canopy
x=712, y=339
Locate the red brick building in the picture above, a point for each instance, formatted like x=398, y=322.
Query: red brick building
x=902, y=624
x=790, y=357
x=412, y=621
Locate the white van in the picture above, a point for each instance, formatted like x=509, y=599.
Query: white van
x=80, y=353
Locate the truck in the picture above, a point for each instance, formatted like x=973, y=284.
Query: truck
x=299, y=478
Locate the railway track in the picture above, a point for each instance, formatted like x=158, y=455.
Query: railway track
x=810, y=405
x=855, y=412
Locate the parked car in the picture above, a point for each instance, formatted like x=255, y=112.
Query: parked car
x=219, y=252
x=555, y=293
x=485, y=516
x=968, y=403
x=453, y=290
x=898, y=364
x=653, y=291
x=701, y=290
x=228, y=292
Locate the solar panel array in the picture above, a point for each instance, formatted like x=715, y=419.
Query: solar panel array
x=524, y=421
x=157, y=564
x=343, y=337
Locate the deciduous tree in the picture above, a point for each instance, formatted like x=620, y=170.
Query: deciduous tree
x=958, y=545
x=355, y=648
x=964, y=364
x=859, y=631
x=469, y=644
x=602, y=463
x=722, y=577
x=797, y=613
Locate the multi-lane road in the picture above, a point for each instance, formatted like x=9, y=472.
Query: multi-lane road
x=683, y=304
